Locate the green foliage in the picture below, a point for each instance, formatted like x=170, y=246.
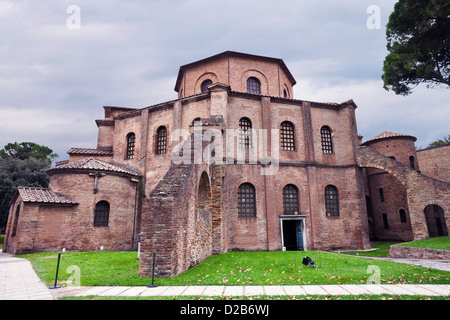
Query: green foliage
x=14, y=173
x=418, y=36
x=26, y=150
x=440, y=142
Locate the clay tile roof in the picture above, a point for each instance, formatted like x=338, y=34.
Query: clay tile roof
x=95, y=164
x=43, y=195
x=387, y=134
x=87, y=151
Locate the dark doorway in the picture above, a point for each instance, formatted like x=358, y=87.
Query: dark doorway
x=293, y=235
x=434, y=215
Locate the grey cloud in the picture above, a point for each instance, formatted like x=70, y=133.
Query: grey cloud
x=127, y=53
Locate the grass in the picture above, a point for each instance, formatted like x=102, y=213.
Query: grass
x=235, y=268
x=440, y=243
x=380, y=249
x=2, y=239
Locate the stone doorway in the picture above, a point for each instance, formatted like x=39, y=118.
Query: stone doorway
x=293, y=233
x=435, y=218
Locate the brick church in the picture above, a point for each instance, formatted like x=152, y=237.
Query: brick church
x=234, y=163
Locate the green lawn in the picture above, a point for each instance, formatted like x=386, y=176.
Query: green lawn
x=235, y=268
x=442, y=243
x=380, y=249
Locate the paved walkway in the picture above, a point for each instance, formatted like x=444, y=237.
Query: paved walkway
x=230, y=291
x=18, y=281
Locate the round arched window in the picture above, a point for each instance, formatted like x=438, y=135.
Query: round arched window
x=253, y=85
x=205, y=85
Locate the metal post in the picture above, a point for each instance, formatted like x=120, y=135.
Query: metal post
x=153, y=273
x=56, y=277
x=295, y=260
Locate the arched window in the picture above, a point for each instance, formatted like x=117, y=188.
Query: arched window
x=331, y=201
x=197, y=121
x=246, y=200
x=101, y=215
x=325, y=135
x=161, y=140
x=131, y=142
x=285, y=94
x=412, y=162
x=245, y=133
x=402, y=216
x=290, y=199
x=287, y=136
x=205, y=84
x=385, y=221
x=253, y=85
x=381, y=194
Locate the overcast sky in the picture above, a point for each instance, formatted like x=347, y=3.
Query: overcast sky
x=55, y=79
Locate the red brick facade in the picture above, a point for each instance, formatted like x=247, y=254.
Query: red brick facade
x=308, y=194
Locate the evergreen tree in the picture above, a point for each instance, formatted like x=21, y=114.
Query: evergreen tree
x=418, y=36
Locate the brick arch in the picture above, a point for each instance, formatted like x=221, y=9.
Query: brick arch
x=439, y=203
x=421, y=190
x=256, y=74
x=369, y=158
x=208, y=75
x=204, y=192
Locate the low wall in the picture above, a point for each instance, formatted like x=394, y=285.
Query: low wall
x=418, y=253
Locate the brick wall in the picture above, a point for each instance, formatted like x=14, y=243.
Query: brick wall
x=234, y=70
x=52, y=227
x=418, y=253
x=421, y=190
x=434, y=162
x=177, y=220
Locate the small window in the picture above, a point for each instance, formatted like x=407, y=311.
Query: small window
x=402, y=216
x=287, y=136
x=205, y=85
x=245, y=133
x=246, y=200
x=290, y=199
x=381, y=193
x=197, y=122
x=131, y=142
x=161, y=140
x=327, y=145
x=385, y=221
x=101, y=216
x=331, y=201
x=253, y=85
x=411, y=162
x=285, y=94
